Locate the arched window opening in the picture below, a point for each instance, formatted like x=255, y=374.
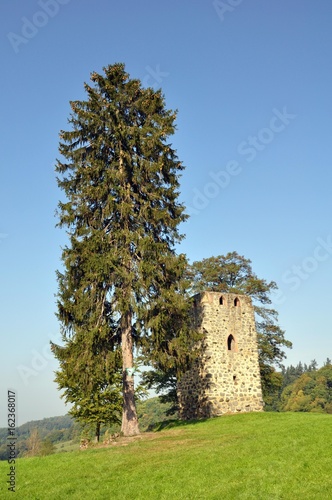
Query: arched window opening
x=236, y=302
x=221, y=300
x=231, y=343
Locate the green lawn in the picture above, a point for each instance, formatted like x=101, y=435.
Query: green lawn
x=258, y=456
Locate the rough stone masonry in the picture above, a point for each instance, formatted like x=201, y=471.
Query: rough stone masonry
x=225, y=378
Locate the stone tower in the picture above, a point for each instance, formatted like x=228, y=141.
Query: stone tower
x=225, y=377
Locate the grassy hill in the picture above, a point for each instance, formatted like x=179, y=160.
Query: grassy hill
x=249, y=456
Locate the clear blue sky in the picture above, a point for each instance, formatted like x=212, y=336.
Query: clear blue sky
x=252, y=82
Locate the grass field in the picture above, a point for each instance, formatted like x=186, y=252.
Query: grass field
x=65, y=446
x=250, y=456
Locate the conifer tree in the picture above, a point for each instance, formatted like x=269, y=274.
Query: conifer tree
x=120, y=177
x=90, y=377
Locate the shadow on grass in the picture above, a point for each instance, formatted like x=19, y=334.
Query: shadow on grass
x=172, y=423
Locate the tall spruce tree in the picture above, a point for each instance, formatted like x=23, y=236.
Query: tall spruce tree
x=120, y=177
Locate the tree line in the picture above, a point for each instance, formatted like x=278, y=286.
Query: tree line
x=306, y=388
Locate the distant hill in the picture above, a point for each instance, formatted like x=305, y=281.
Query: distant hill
x=56, y=429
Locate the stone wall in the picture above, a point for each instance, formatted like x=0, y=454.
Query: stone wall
x=225, y=378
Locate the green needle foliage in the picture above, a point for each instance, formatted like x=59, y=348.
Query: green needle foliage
x=121, y=275
x=233, y=273
x=90, y=377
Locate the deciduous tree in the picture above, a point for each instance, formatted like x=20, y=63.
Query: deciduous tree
x=33, y=444
x=311, y=392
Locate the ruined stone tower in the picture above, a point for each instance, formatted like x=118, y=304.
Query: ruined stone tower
x=225, y=377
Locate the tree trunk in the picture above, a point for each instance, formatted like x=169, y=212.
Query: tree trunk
x=129, y=425
x=97, y=433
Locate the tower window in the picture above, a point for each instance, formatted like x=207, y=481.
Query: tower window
x=221, y=300
x=236, y=302
x=231, y=343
